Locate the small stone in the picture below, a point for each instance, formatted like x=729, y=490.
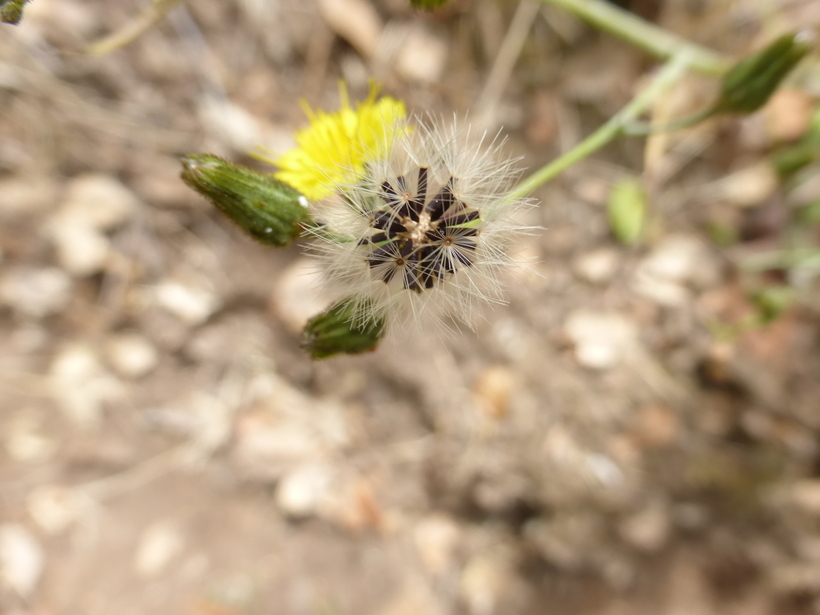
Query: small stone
x=647, y=530
x=97, y=202
x=191, y=305
x=158, y=545
x=597, y=266
x=788, y=115
x=356, y=21
x=747, y=187
x=131, y=355
x=229, y=123
x=680, y=258
x=53, y=508
x=81, y=386
x=422, y=55
x=662, y=292
x=229, y=339
x=297, y=296
x=805, y=494
x=656, y=426
x=436, y=538
x=483, y=582
x=21, y=559
x=264, y=447
x=81, y=250
x=601, y=339
x=301, y=491
x=24, y=442
x=675, y=262
x=493, y=389
x=35, y=292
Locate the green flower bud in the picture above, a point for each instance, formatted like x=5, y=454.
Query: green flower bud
x=266, y=208
x=751, y=82
x=11, y=11
x=334, y=331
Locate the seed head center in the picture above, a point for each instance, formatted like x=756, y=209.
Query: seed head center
x=417, y=231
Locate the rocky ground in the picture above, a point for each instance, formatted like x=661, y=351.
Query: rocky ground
x=633, y=433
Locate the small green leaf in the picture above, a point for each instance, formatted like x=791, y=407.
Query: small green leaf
x=266, y=208
x=335, y=331
x=626, y=210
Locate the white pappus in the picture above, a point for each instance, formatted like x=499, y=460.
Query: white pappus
x=423, y=233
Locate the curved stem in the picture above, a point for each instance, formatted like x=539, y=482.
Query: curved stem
x=642, y=129
x=641, y=33
x=669, y=74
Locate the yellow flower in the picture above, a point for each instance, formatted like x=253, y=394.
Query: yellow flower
x=334, y=148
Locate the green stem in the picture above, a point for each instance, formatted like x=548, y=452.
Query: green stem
x=641, y=33
x=642, y=129
x=673, y=70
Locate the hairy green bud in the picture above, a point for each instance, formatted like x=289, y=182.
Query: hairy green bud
x=11, y=11
x=337, y=331
x=750, y=83
x=264, y=207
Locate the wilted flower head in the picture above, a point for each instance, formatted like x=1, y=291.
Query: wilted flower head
x=423, y=229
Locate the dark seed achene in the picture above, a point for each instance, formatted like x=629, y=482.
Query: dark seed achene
x=426, y=239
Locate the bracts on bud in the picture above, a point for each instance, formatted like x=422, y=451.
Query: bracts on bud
x=752, y=81
x=264, y=207
x=337, y=331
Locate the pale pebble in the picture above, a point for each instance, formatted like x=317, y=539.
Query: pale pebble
x=158, y=545
x=35, y=292
x=131, y=355
x=21, y=559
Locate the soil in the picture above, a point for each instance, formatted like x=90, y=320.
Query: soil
x=634, y=432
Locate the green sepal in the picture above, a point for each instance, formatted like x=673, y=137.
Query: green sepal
x=337, y=331
x=750, y=83
x=11, y=11
x=264, y=207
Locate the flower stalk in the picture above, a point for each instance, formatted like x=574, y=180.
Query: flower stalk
x=644, y=35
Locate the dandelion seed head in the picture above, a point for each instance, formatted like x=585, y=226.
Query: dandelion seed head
x=424, y=230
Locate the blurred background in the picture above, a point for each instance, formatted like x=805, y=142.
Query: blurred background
x=635, y=433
